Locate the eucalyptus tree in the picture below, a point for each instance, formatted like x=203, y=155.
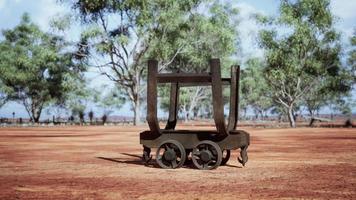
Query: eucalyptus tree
x=121, y=32
x=121, y=36
x=302, y=49
x=36, y=68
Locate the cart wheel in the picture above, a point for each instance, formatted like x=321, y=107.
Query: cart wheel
x=207, y=155
x=170, y=154
x=225, y=156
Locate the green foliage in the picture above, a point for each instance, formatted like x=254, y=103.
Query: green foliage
x=192, y=40
x=61, y=22
x=35, y=67
x=344, y=105
x=127, y=33
x=3, y=95
x=188, y=44
x=254, y=88
x=352, y=56
x=122, y=32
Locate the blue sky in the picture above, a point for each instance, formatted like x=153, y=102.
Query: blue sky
x=41, y=11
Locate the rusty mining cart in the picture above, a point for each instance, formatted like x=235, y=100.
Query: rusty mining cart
x=209, y=149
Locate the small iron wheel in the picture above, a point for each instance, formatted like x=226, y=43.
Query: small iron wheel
x=207, y=155
x=170, y=154
x=225, y=156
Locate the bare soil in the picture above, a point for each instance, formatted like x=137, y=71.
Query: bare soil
x=104, y=163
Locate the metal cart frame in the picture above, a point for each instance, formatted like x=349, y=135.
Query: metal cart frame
x=207, y=147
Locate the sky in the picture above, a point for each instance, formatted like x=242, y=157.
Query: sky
x=41, y=12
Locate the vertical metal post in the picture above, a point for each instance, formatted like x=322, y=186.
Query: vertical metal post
x=237, y=95
x=152, y=97
x=218, y=104
x=173, y=107
x=234, y=98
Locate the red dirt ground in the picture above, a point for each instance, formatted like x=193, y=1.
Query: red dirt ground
x=104, y=163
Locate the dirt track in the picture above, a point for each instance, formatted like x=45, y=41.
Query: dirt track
x=104, y=163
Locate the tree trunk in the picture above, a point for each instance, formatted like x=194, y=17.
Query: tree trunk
x=311, y=113
x=190, y=111
x=34, y=110
x=36, y=119
x=291, y=116
x=195, y=111
x=136, y=97
x=36, y=114
x=185, y=113
x=137, y=113
x=186, y=117
x=261, y=115
x=245, y=113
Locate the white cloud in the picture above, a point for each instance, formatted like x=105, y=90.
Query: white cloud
x=2, y=4
x=47, y=10
x=346, y=9
x=248, y=31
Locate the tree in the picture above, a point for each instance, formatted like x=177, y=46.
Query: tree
x=36, y=68
x=303, y=53
x=123, y=45
x=174, y=28
x=254, y=87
